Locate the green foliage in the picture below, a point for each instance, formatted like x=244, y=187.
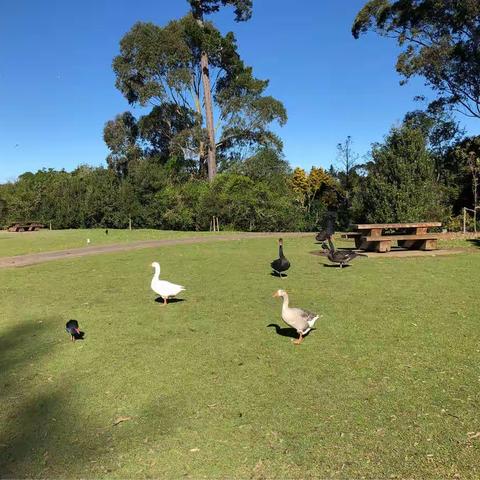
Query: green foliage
x=243, y=8
x=315, y=193
x=400, y=185
x=161, y=65
x=265, y=164
x=440, y=40
x=243, y=204
x=121, y=136
x=255, y=196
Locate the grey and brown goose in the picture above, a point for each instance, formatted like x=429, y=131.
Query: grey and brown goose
x=281, y=264
x=301, y=320
x=341, y=257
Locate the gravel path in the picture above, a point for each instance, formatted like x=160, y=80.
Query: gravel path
x=35, y=258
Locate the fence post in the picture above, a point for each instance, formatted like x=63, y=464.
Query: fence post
x=130, y=223
x=464, y=220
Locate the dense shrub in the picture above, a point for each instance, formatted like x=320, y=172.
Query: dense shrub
x=400, y=185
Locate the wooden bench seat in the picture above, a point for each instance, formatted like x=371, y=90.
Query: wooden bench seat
x=423, y=236
x=369, y=226
x=426, y=241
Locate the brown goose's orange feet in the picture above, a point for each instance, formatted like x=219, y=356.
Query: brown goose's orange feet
x=299, y=340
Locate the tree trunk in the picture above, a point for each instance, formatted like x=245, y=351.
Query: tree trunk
x=475, y=196
x=212, y=149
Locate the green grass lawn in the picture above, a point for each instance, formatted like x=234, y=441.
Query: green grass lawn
x=387, y=386
x=46, y=240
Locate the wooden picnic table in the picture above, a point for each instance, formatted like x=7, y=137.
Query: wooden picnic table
x=415, y=236
x=24, y=227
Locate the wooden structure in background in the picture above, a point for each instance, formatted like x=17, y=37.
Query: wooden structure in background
x=414, y=236
x=25, y=227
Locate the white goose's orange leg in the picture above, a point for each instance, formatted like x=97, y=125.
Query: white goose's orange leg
x=164, y=300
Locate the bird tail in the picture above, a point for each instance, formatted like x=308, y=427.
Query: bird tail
x=311, y=322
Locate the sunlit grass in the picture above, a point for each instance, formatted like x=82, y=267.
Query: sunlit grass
x=385, y=387
x=45, y=240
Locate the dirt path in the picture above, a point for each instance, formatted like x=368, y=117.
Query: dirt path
x=34, y=258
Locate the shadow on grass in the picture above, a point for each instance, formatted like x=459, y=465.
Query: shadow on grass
x=475, y=242
x=170, y=300
x=276, y=274
x=287, y=331
x=79, y=336
x=46, y=430
x=335, y=265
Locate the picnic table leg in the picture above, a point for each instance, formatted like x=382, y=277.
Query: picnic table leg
x=417, y=244
x=429, y=244
x=363, y=244
x=375, y=232
x=383, y=246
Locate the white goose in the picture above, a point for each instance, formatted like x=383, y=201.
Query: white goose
x=301, y=320
x=163, y=288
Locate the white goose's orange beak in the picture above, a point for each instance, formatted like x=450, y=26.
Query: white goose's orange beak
x=275, y=294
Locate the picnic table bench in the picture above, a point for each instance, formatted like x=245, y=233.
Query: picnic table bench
x=24, y=227
x=414, y=236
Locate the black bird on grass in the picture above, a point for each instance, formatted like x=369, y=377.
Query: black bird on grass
x=281, y=264
x=72, y=328
x=341, y=257
x=321, y=236
x=327, y=232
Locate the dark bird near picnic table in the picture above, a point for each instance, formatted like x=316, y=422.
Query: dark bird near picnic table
x=281, y=264
x=341, y=257
x=72, y=328
x=329, y=229
x=321, y=236
x=106, y=231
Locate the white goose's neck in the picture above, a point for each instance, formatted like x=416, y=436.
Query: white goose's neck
x=285, y=301
x=157, y=272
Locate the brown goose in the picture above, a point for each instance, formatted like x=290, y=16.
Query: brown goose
x=301, y=320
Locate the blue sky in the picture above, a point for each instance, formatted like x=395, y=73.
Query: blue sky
x=57, y=86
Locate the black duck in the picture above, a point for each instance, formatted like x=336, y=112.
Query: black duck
x=341, y=257
x=281, y=264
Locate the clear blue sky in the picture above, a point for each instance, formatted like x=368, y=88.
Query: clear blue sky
x=57, y=86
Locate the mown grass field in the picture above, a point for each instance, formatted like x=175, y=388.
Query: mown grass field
x=45, y=240
x=387, y=386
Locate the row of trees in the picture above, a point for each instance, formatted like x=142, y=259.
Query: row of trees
x=260, y=193
x=423, y=170
x=205, y=112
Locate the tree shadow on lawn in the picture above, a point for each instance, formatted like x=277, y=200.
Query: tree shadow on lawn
x=287, y=331
x=45, y=430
